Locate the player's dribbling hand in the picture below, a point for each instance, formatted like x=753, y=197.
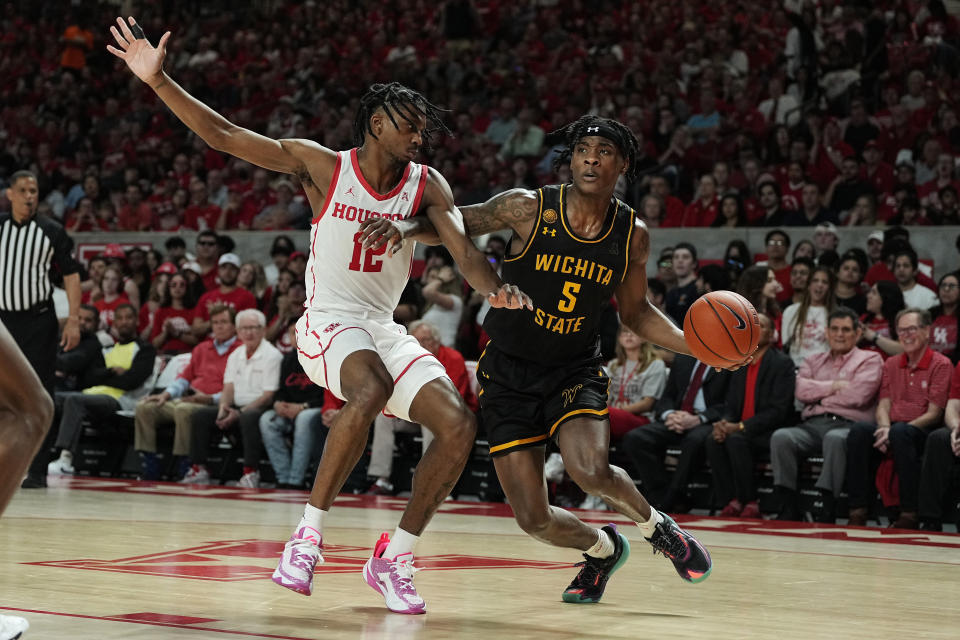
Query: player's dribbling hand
x=143, y=59
x=509, y=296
x=377, y=232
x=734, y=367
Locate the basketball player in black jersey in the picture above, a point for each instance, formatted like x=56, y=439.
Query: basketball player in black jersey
x=572, y=248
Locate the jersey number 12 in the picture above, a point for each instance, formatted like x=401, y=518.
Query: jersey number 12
x=370, y=262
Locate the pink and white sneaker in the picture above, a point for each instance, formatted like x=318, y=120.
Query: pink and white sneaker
x=393, y=579
x=300, y=555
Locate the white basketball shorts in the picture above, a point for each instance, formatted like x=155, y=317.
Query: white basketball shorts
x=325, y=339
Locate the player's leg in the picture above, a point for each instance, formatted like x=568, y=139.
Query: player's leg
x=583, y=444
x=341, y=357
x=440, y=408
x=605, y=550
x=366, y=385
x=26, y=411
x=425, y=395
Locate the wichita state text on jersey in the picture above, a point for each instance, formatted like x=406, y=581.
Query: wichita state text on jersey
x=570, y=280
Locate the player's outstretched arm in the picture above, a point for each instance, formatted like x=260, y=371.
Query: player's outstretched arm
x=478, y=271
x=636, y=312
x=25, y=414
x=515, y=209
x=146, y=62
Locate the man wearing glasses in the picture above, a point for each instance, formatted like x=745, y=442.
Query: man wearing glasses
x=207, y=256
x=913, y=394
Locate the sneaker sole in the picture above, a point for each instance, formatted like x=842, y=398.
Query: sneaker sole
x=576, y=598
x=371, y=580
x=282, y=580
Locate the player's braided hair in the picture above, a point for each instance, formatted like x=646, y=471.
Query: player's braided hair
x=588, y=125
x=396, y=100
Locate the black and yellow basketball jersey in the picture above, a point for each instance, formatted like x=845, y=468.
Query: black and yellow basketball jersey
x=570, y=279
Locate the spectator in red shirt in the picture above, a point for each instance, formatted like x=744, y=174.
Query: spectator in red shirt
x=913, y=395
x=113, y=296
x=703, y=210
x=254, y=201
x=208, y=254
x=381, y=448
x=201, y=214
x=228, y=293
x=171, y=332
x=672, y=205
x=196, y=388
x=875, y=171
x=135, y=214
x=778, y=244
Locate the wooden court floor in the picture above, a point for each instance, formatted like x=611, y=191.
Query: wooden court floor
x=104, y=559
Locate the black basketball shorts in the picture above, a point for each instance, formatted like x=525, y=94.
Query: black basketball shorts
x=524, y=402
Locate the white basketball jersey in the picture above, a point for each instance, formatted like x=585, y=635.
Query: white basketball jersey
x=341, y=274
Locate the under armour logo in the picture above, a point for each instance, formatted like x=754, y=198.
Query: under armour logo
x=547, y=231
x=593, y=129
x=349, y=192
x=404, y=197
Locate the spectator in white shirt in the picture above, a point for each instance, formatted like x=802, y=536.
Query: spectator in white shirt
x=251, y=377
x=915, y=295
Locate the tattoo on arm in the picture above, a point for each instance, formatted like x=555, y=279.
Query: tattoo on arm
x=503, y=211
x=162, y=82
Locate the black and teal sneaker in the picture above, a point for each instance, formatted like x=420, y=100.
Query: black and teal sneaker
x=689, y=557
x=589, y=584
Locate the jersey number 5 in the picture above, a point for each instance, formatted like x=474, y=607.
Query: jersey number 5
x=369, y=261
x=569, y=288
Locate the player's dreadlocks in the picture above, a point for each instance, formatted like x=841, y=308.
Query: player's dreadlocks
x=617, y=133
x=396, y=100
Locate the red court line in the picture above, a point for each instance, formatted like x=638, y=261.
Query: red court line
x=154, y=624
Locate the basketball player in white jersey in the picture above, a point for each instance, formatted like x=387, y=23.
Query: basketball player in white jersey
x=26, y=411
x=347, y=340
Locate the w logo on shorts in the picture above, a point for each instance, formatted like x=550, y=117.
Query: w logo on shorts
x=331, y=327
x=570, y=394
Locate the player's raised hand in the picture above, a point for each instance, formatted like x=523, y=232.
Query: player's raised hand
x=143, y=59
x=509, y=296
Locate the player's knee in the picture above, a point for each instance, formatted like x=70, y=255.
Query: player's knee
x=593, y=477
x=533, y=522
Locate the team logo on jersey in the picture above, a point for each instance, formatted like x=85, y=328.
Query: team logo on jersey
x=614, y=249
x=549, y=216
x=349, y=192
x=547, y=231
x=331, y=327
x=570, y=394
x=404, y=197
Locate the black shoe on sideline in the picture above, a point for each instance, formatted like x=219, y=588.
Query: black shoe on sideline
x=34, y=481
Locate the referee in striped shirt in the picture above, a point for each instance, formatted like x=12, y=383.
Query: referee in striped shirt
x=29, y=248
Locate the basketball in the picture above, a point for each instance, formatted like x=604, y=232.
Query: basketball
x=721, y=328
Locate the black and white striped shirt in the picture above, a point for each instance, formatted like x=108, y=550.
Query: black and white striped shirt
x=27, y=253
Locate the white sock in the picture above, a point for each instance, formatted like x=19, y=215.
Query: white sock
x=402, y=542
x=603, y=548
x=650, y=525
x=313, y=519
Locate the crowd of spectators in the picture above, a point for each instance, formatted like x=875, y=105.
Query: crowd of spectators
x=770, y=115
x=747, y=113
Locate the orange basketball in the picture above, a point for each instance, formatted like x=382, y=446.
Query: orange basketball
x=721, y=328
